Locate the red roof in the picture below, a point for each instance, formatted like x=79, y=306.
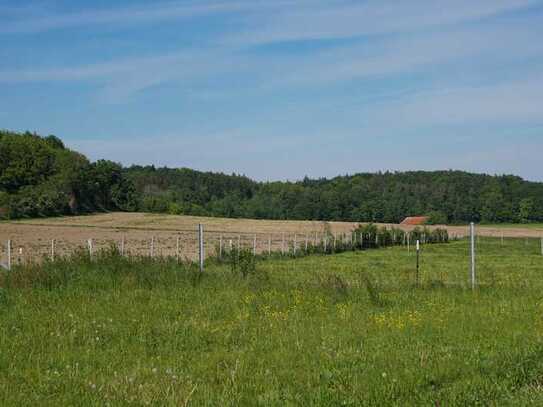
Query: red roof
x=415, y=220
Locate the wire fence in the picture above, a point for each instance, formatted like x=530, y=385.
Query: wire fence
x=490, y=253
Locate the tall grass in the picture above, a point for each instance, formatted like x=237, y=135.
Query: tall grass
x=347, y=329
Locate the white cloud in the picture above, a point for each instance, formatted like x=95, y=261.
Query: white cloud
x=342, y=19
x=28, y=21
x=507, y=103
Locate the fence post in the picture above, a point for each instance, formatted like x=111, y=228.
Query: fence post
x=122, y=246
x=295, y=243
x=201, y=246
x=306, y=242
x=418, y=261
x=542, y=245
x=408, y=244
x=177, y=249
x=502, y=237
x=220, y=247
x=152, y=250
x=52, y=249
x=254, y=245
x=9, y=255
x=283, y=244
x=89, y=244
x=269, y=245
x=472, y=250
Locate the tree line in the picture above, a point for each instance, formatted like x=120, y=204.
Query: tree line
x=39, y=176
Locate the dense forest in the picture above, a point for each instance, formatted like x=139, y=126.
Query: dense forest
x=39, y=176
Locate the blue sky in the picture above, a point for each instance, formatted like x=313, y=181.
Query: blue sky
x=280, y=89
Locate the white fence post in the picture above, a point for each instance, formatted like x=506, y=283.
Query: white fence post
x=122, y=246
x=152, y=250
x=9, y=255
x=295, y=243
x=269, y=245
x=306, y=242
x=283, y=244
x=52, y=249
x=472, y=249
x=542, y=245
x=418, y=260
x=177, y=249
x=89, y=245
x=201, y=253
x=254, y=245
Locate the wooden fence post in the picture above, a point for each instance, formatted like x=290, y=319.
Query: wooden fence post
x=122, y=246
x=254, y=245
x=220, y=247
x=52, y=249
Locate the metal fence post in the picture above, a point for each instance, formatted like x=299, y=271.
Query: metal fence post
x=177, y=249
x=418, y=261
x=89, y=244
x=472, y=250
x=201, y=246
x=9, y=255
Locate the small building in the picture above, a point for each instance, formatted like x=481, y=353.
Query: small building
x=415, y=220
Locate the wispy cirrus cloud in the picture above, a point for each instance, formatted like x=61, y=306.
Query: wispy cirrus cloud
x=343, y=19
x=40, y=19
x=418, y=52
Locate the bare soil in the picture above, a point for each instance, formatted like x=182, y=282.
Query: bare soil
x=157, y=234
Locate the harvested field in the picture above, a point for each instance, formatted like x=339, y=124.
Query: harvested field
x=158, y=234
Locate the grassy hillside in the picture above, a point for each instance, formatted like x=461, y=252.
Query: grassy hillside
x=350, y=329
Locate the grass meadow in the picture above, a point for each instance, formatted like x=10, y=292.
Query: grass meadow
x=347, y=329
